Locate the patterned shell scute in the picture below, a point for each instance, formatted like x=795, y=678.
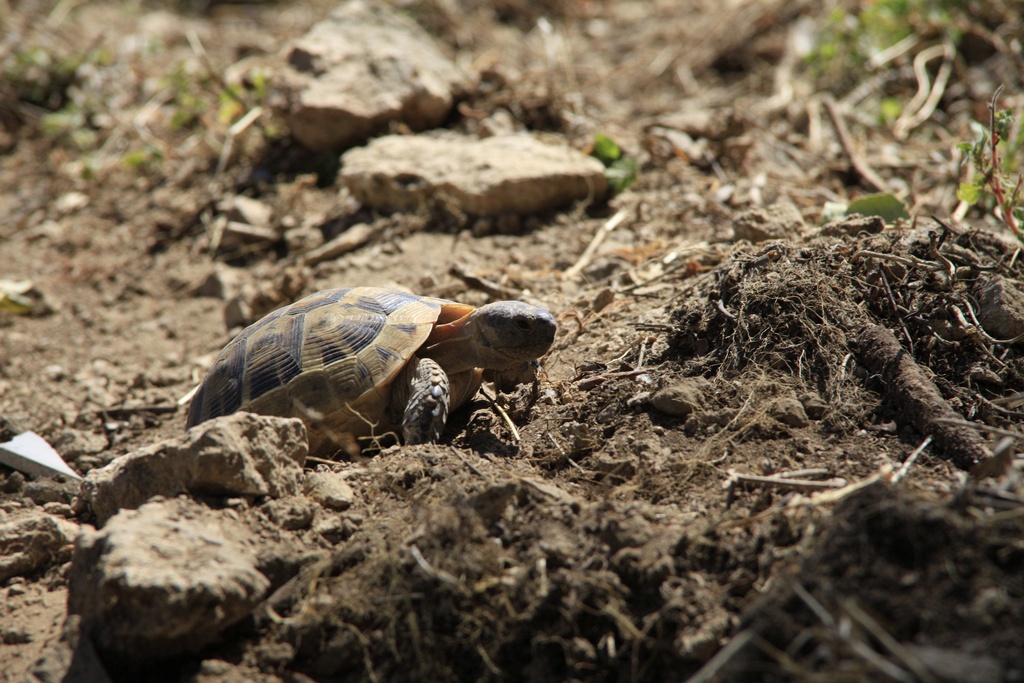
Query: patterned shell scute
x=323, y=353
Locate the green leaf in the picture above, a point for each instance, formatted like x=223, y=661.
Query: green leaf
x=621, y=173
x=965, y=147
x=891, y=109
x=885, y=206
x=606, y=150
x=969, y=192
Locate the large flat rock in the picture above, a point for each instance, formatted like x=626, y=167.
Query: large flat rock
x=509, y=174
x=361, y=69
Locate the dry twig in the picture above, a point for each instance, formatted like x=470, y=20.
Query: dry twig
x=599, y=237
x=845, y=139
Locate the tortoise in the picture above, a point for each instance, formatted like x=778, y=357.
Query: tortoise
x=365, y=361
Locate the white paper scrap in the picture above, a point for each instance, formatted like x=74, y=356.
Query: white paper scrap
x=31, y=454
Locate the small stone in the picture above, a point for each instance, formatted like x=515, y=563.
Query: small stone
x=851, y=226
x=789, y=411
x=814, y=405
x=73, y=443
x=779, y=221
x=353, y=238
x=222, y=283
x=248, y=210
x=302, y=239
x=59, y=510
x=329, y=489
x=680, y=398
x=332, y=528
x=291, y=512
x=490, y=503
x=33, y=541
x=46, y=490
x=1001, y=310
x=238, y=234
x=15, y=483
x=613, y=468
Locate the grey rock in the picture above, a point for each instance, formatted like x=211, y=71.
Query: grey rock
x=511, y=174
x=1001, y=310
x=164, y=579
x=237, y=455
x=360, y=70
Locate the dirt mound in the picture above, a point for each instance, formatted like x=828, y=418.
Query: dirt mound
x=839, y=604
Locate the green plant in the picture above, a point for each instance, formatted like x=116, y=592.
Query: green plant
x=848, y=41
x=620, y=170
x=994, y=156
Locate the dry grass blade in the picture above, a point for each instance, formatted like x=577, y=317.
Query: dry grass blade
x=864, y=620
x=595, y=243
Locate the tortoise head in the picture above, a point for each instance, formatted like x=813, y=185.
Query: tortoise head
x=496, y=336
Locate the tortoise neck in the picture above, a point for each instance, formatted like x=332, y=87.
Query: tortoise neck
x=454, y=355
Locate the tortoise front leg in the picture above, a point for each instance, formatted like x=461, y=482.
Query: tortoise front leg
x=421, y=393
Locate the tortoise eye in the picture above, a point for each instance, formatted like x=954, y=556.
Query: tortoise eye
x=523, y=324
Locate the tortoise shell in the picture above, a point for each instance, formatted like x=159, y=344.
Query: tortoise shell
x=331, y=359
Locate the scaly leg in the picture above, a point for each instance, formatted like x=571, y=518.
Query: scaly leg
x=424, y=387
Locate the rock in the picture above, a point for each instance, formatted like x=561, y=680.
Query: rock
x=1001, y=310
x=512, y=174
x=330, y=490
x=247, y=210
x=223, y=282
x=291, y=512
x=360, y=70
x=613, y=467
x=789, y=411
x=238, y=309
x=490, y=503
x=779, y=221
x=680, y=398
x=164, y=579
x=238, y=234
x=70, y=658
x=303, y=239
x=46, y=490
x=814, y=405
x=33, y=541
x=851, y=226
x=74, y=443
x=350, y=240
x=237, y=455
